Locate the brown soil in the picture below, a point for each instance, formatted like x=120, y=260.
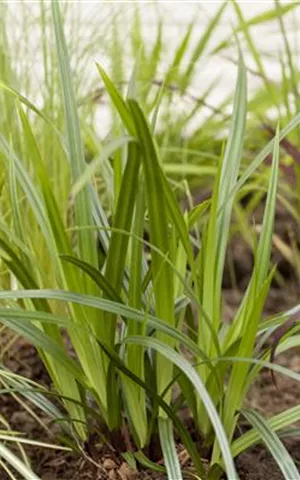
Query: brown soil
x=255, y=464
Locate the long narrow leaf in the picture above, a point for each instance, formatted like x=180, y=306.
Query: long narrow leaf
x=17, y=464
x=87, y=246
x=274, y=445
x=166, y=436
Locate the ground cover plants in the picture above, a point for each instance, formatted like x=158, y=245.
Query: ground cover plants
x=118, y=285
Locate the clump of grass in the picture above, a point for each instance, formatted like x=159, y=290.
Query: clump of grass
x=130, y=320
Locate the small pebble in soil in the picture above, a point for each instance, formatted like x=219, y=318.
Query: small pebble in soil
x=109, y=464
x=112, y=475
x=125, y=472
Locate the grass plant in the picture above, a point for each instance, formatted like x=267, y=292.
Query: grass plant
x=142, y=324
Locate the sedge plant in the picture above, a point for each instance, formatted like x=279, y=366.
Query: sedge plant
x=139, y=325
